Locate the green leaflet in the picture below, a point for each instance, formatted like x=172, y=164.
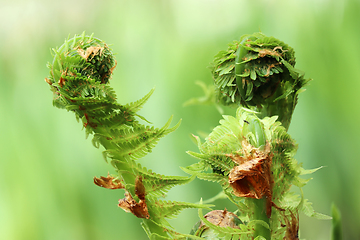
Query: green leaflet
x=169, y=209
x=157, y=185
x=137, y=105
x=208, y=99
x=79, y=79
x=132, y=143
x=214, y=177
x=308, y=210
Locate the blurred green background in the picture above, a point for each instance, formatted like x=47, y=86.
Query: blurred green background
x=47, y=165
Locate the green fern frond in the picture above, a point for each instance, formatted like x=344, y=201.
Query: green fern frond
x=213, y=177
x=219, y=163
x=132, y=143
x=308, y=210
x=226, y=143
x=79, y=79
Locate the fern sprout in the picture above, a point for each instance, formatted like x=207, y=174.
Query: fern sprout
x=258, y=72
x=79, y=79
x=250, y=155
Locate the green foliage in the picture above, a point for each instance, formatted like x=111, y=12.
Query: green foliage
x=227, y=140
x=79, y=77
x=208, y=99
x=250, y=155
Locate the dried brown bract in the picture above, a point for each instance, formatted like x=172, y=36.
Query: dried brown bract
x=90, y=50
x=108, y=182
x=139, y=188
x=292, y=227
x=62, y=79
x=139, y=209
x=272, y=52
x=222, y=218
x=128, y=203
x=48, y=81
x=252, y=176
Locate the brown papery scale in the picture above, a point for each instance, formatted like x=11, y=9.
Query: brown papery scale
x=252, y=176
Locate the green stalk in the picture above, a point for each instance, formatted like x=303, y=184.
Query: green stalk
x=336, y=229
x=282, y=108
x=259, y=205
x=126, y=170
x=259, y=209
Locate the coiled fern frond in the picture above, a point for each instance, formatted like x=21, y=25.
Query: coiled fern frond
x=258, y=72
x=79, y=79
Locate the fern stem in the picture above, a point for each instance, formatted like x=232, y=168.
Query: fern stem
x=336, y=229
x=259, y=209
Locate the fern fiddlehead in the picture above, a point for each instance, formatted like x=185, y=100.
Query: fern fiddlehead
x=251, y=155
x=79, y=79
x=258, y=72
x=254, y=165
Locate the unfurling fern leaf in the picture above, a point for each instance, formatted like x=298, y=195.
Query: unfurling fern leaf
x=252, y=159
x=79, y=79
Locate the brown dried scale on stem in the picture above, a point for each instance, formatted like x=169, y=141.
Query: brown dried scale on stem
x=292, y=226
x=108, y=182
x=128, y=204
x=252, y=176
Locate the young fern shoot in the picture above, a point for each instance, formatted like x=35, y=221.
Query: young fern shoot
x=251, y=155
x=258, y=72
x=79, y=79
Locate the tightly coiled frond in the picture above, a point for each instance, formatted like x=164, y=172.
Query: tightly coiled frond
x=258, y=72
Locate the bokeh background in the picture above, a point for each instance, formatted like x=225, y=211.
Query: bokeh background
x=47, y=165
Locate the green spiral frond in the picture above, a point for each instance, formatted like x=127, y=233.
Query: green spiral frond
x=79, y=79
x=258, y=71
x=84, y=55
